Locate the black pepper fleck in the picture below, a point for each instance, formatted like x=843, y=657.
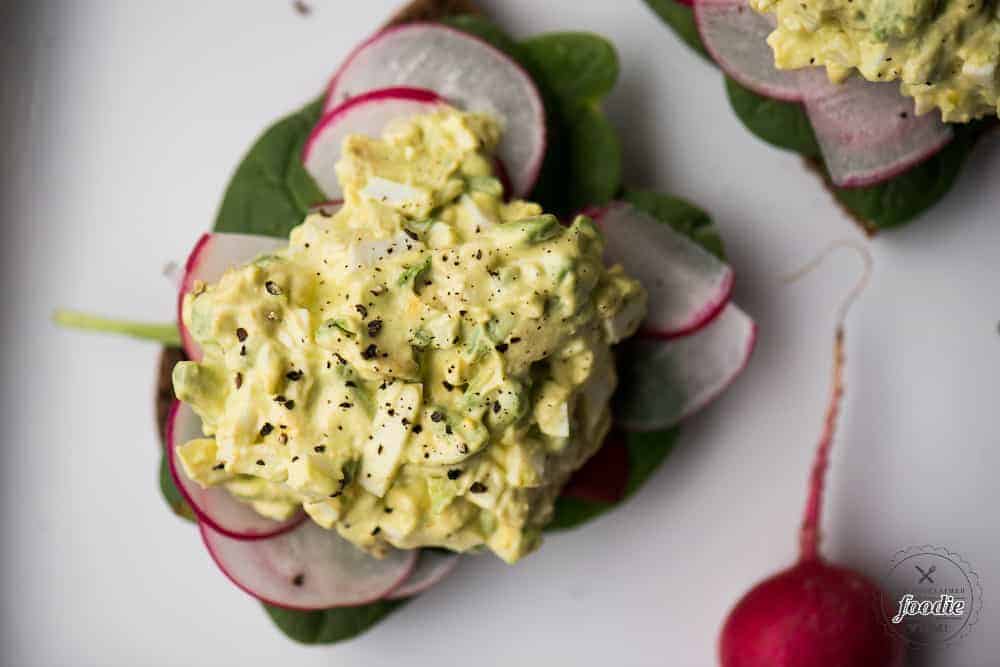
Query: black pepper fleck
x=477, y=487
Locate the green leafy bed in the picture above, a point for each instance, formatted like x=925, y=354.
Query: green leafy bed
x=271, y=192
x=785, y=125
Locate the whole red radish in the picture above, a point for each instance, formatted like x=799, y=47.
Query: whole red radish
x=813, y=614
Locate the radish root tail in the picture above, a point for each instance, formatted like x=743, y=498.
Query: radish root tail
x=858, y=287
x=809, y=536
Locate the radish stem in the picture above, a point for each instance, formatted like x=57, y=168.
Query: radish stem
x=168, y=334
x=809, y=535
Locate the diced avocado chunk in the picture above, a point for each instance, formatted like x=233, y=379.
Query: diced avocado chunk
x=532, y=230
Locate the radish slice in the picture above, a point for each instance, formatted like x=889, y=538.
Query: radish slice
x=214, y=506
x=869, y=132
x=467, y=72
x=211, y=256
x=736, y=36
x=663, y=382
x=603, y=478
x=432, y=567
x=365, y=114
x=308, y=568
x=687, y=285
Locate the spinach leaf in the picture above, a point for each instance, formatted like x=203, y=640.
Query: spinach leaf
x=327, y=626
x=906, y=196
x=271, y=191
x=680, y=17
x=781, y=124
x=646, y=451
x=576, y=67
x=170, y=493
x=583, y=158
x=682, y=215
x=485, y=30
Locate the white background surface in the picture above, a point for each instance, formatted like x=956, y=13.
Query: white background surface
x=128, y=119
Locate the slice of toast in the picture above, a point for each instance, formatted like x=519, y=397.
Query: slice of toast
x=417, y=10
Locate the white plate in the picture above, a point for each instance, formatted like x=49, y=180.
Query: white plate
x=139, y=112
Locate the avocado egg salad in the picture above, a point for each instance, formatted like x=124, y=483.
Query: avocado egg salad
x=424, y=368
x=886, y=151
x=431, y=321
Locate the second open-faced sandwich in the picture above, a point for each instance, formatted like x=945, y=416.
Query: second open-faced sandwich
x=884, y=99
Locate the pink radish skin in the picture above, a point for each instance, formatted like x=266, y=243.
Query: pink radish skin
x=211, y=256
x=214, y=506
x=664, y=382
x=813, y=614
x=467, y=72
x=688, y=287
x=868, y=132
x=367, y=114
x=308, y=568
x=735, y=36
x=432, y=567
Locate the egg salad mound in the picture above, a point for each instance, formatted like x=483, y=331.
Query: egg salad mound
x=424, y=368
x=945, y=53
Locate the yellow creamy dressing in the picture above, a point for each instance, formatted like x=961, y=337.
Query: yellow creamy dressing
x=426, y=367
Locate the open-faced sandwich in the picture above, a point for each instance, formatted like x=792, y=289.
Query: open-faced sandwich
x=431, y=321
x=813, y=78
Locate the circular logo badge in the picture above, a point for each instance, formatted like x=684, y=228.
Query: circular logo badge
x=932, y=596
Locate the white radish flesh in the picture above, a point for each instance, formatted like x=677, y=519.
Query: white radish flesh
x=662, y=382
x=869, y=132
x=736, y=37
x=687, y=285
x=308, y=568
